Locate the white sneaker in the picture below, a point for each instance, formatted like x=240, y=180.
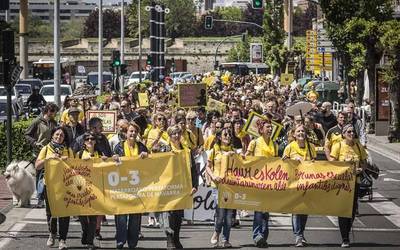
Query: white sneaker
x=51, y=240
x=226, y=244
x=62, y=245
x=214, y=239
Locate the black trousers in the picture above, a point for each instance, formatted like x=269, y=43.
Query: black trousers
x=63, y=222
x=345, y=223
x=88, y=224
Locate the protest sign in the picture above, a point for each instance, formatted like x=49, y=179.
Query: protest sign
x=286, y=79
x=161, y=182
x=143, y=99
x=192, y=95
x=251, y=126
x=274, y=185
x=108, y=118
x=203, y=205
x=216, y=105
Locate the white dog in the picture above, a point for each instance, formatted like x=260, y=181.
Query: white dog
x=20, y=181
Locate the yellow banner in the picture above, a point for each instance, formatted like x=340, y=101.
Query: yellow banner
x=274, y=185
x=161, y=182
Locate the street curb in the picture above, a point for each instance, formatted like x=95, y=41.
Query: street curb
x=390, y=155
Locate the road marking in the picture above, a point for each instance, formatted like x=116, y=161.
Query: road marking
x=387, y=207
x=356, y=224
x=390, y=179
x=390, y=156
x=393, y=171
x=14, y=230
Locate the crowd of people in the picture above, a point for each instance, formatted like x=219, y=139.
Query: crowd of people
x=163, y=127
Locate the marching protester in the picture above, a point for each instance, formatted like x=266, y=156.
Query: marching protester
x=223, y=216
x=38, y=135
x=300, y=149
x=262, y=146
x=88, y=223
x=349, y=150
x=73, y=127
x=57, y=148
x=171, y=221
x=128, y=225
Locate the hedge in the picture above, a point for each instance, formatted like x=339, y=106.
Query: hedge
x=21, y=150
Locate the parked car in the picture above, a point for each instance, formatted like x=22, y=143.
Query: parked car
x=134, y=77
x=15, y=97
x=48, y=92
x=48, y=82
x=92, y=78
x=25, y=90
x=34, y=82
x=3, y=110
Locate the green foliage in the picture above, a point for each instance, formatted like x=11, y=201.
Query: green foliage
x=111, y=24
x=230, y=13
x=274, y=35
x=241, y=52
x=180, y=21
x=20, y=148
x=72, y=29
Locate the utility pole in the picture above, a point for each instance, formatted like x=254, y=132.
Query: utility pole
x=288, y=22
x=23, y=37
x=121, y=82
x=57, y=70
x=100, y=56
x=140, y=42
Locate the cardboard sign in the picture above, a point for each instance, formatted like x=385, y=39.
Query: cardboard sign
x=251, y=126
x=286, y=79
x=216, y=105
x=192, y=95
x=143, y=99
x=109, y=119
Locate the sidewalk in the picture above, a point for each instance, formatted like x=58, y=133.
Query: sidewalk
x=6, y=200
x=381, y=145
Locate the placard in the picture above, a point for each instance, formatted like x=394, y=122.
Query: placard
x=286, y=79
x=251, y=126
x=109, y=119
x=143, y=99
x=192, y=95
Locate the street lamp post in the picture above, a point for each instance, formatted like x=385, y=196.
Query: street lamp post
x=100, y=56
x=140, y=42
x=121, y=80
x=56, y=46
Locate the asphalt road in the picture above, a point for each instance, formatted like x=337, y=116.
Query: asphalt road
x=376, y=227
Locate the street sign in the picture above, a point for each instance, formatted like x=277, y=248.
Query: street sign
x=256, y=53
x=326, y=49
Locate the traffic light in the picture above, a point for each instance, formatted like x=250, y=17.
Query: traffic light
x=208, y=23
x=112, y=68
x=149, y=60
x=116, y=58
x=123, y=69
x=257, y=4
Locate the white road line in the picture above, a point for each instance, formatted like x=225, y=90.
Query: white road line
x=387, y=207
x=356, y=224
x=389, y=155
x=394, y=171
x=391, y=179
x=14, y=230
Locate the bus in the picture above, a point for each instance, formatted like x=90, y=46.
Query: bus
x=44, y=70
x=244, y=68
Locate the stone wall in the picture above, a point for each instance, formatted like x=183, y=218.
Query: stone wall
x=199, y=53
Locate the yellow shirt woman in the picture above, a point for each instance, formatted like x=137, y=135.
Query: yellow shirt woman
x=215, y=157
x=259, y=147
x=294, y=151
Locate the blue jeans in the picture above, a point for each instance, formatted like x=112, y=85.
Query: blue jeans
x=299, y=224
x=127, y=229
x=260, y=225
x=222, y=218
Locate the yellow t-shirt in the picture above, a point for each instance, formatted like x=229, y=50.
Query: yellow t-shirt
x=343, y=152
x=153, y=134
x=293, y=151
x=198, y=137
x=87, y=155
x=258, y=147
x=215, y=159
x=65, y=118
x=188, y=139
x=48, y=150
x=208, y=142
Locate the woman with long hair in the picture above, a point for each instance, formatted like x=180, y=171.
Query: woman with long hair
x=58, y=148
x=349, y=150
x=300, y=149
x=223, y=217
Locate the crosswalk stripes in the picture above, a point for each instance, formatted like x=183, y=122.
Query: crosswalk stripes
x=384, y=207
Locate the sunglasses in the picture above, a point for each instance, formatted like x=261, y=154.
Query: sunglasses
x=124, y=106
x=160, y=119
x=350, y=132
x=90, y=139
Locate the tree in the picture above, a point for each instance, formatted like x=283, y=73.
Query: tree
x=302, y=20
x=111, y=24
x=274, y=35
x=253, y=16
x=72, y=29
x=180, y=21
x=241, y=52
x=37, y=28
x=391, y=42
x=358, y=22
